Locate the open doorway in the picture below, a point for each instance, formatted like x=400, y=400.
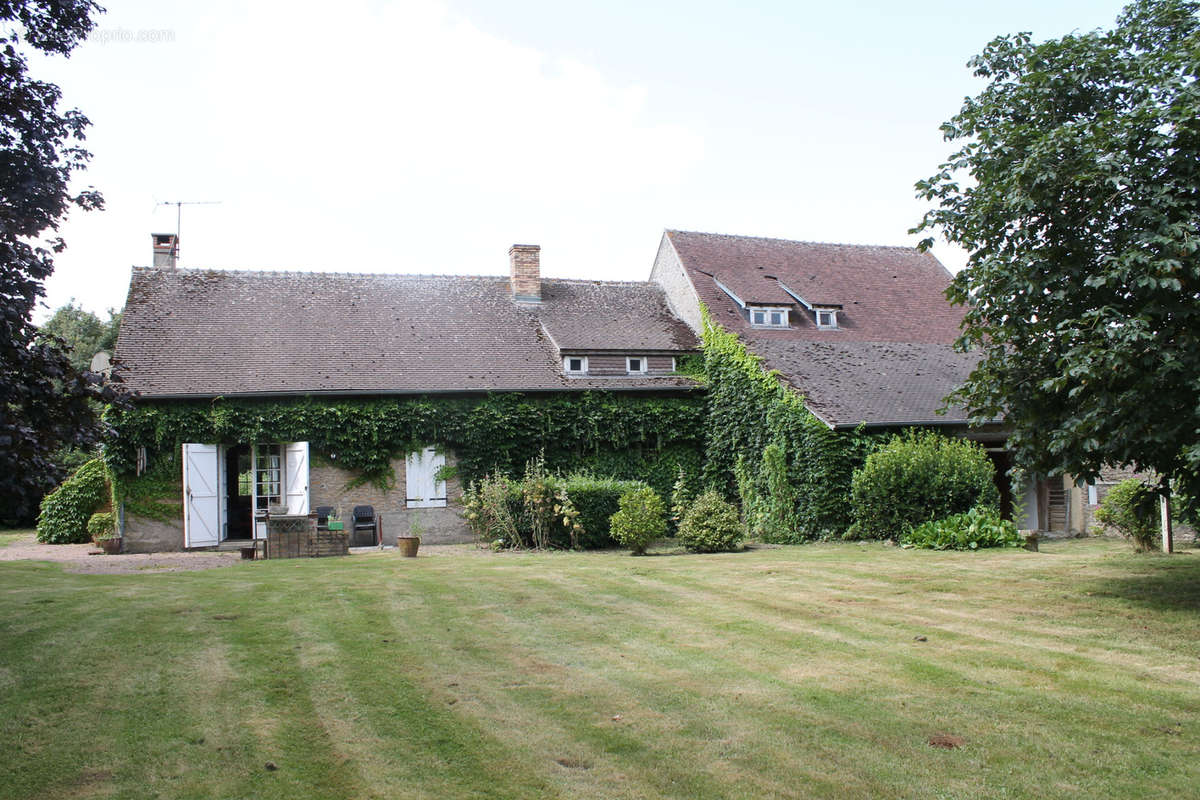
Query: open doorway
x=239, y=483
x=1002, y=461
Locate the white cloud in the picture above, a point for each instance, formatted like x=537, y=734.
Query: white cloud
x=381, y=137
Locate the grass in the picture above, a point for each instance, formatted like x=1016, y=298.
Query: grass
x=790, y=672
x=8, y=536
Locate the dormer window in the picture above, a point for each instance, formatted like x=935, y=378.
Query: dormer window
x=635, y=365
x=575, y=365
x=768, y=317
x=826, y=318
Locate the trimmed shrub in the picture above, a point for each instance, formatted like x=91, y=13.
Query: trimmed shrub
x=497, y=510
x=640, y=520
x=102, y=525
x=979, y=527
x=917, y=477
x=711, y=525
x=1132, y=508
x=596, y=500
x=66, y=511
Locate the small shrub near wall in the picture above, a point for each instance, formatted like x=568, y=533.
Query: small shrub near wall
x=551, y=511
x=711, y=525
x=66, y=511
x=917, y=477
x=102, y=525
x=640, y=520
x=977, y=528
x=1132, y=508
x=597, y=499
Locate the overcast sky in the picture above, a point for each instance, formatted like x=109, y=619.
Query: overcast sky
x=428, y=135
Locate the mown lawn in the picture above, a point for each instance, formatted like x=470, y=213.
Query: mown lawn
x=790, y=672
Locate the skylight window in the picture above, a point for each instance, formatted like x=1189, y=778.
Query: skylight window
x=635, y=365
x=575, y=365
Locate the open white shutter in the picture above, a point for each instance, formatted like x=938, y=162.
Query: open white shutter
x=201, y=504
x=296, y=464
x=420, y=469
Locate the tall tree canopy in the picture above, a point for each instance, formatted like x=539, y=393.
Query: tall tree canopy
x=44, y=399
x=1076, y=192
x=82, y=333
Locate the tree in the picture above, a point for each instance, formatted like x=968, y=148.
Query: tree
x=1076, y=192
x=82, y=332
x=44, y=399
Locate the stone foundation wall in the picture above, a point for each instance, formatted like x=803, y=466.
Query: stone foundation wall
x=143, y=535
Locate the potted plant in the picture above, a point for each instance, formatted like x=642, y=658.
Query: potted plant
x=408, y=543
x=103, y=528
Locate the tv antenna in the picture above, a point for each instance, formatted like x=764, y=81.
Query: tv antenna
x=179, y=204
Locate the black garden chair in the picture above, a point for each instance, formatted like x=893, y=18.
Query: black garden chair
x=362, y=533
x=323, y=513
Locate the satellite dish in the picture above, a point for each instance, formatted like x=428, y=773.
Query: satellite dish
x=102, y=363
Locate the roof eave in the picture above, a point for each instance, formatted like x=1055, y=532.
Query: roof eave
x=656, y=387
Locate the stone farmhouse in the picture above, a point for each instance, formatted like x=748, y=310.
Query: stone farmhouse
x=863, y=333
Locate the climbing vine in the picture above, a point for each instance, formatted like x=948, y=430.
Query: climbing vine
x=635, y=437
x=808, y=469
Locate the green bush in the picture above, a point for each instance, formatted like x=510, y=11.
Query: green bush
x=492, y=507
x=597, y=499
x=102, y=525
x=504, y=510
x=979, y=527
x=66, y=511
x=640, y=520
x=682, y=496
x=711, y=525
x=1132, y=508
x=917, y=477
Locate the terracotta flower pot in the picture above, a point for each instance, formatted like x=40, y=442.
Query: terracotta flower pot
x=407, y=545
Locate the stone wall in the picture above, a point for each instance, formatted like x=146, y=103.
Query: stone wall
x=144, y=535
x=682, y=299
x=328, y=487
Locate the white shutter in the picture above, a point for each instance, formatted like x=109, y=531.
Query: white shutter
x=201, y=505
x=296, y=464
x=420, y=470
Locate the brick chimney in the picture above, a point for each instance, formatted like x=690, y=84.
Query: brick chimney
x=166, y=249
x=525, y=274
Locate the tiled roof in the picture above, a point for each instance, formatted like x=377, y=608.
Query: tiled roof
x=601, y=315
x=887, y=294
x=889, y=361
x=877, y=383
x=204, y=333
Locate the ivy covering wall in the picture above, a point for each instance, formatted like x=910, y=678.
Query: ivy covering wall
x=798, y=490
x=636, y=437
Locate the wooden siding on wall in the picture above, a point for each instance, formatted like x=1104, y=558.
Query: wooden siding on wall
x=608, y=364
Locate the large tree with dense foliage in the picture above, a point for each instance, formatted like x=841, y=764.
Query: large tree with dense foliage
x=1076, y=192
x=44, y=400
x=82, y=333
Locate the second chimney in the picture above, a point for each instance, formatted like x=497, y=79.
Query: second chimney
x=525, y=274
x=166, y=249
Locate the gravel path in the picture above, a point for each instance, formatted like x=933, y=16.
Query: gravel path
x=76, y=558
x=80, y=558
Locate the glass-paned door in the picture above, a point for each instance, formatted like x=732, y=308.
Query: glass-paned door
x=268, y=476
